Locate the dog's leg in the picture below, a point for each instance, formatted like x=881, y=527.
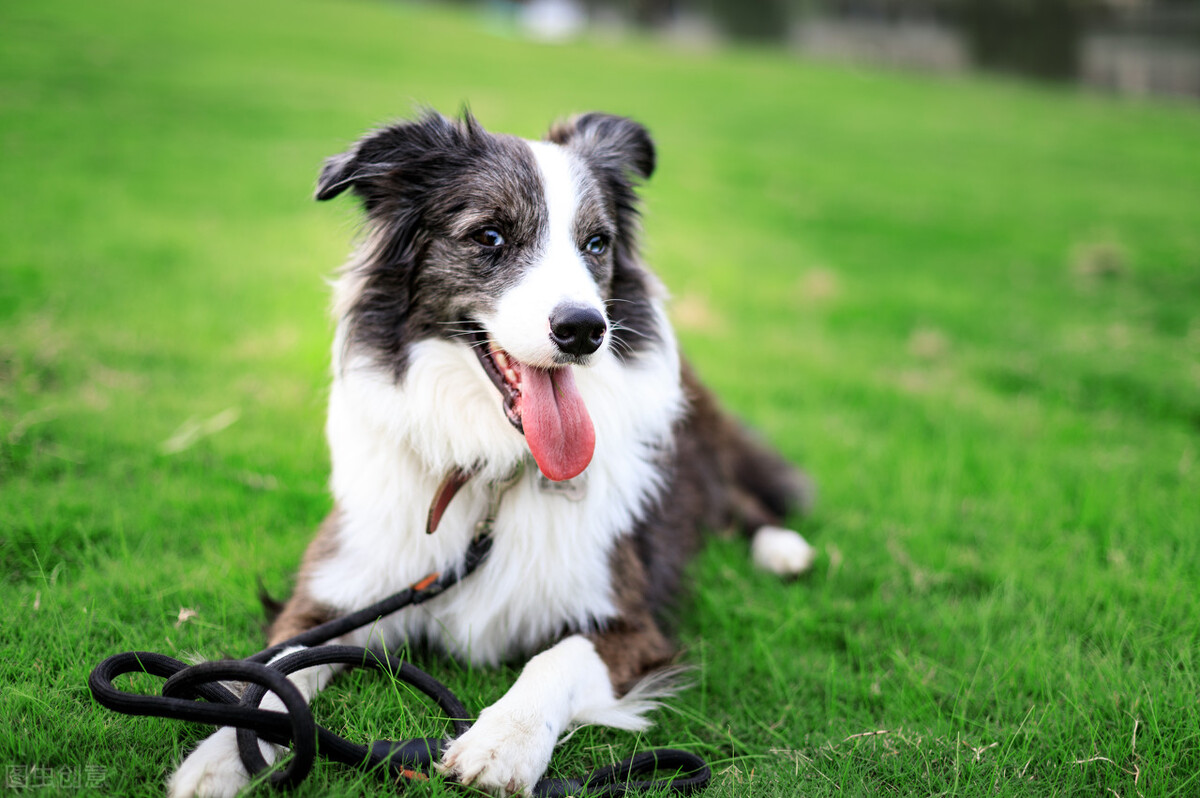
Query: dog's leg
x=759, y=504
x=773, y=548
x=214, y=768
x=570, y=684
x=595, y=678
x=509, y=746
x=758, y=487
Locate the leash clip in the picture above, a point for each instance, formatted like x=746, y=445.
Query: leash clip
x=496, y=490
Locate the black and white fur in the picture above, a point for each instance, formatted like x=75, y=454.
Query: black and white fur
x=578, y=575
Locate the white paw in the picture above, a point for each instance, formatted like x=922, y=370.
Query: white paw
x=781, y=551
x=504, y=753
x=214, y=769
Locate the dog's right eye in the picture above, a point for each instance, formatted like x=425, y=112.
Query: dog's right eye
x=488, y=237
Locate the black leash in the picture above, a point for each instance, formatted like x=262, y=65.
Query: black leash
x=410, y=760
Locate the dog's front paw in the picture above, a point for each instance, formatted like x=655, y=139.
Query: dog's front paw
x=213, y=770
x=504, y=753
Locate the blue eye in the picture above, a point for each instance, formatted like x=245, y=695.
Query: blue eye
x=488, y=238
x=596, y=245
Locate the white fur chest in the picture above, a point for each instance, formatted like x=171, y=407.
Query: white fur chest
x=548, y=570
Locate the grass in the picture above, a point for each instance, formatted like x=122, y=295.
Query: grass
x=971, y=308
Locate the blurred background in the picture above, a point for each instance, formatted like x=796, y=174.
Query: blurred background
x=1126, y=46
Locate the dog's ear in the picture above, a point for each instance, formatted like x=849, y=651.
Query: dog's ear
x=337, y=174
x=387, y=152
x=612, y=143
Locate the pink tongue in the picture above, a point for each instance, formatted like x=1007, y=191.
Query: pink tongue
x=557, y=426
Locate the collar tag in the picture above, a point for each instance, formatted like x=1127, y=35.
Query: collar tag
x=570, y=489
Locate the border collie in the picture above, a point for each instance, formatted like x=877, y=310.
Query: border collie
x=496, y=315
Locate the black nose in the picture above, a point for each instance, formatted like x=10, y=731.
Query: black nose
x=577, y=329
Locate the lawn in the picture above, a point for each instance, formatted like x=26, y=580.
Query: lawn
x=971, y=308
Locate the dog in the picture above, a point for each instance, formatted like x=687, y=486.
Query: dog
x=495, y=325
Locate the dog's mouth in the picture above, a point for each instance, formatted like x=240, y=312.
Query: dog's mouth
x=542, y=404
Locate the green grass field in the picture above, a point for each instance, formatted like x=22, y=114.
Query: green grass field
x=970, y=308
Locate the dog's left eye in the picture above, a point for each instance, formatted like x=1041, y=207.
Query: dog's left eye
x=596, y=245
x=489, y=238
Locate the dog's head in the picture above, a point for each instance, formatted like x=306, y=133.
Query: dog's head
x=524, y=251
